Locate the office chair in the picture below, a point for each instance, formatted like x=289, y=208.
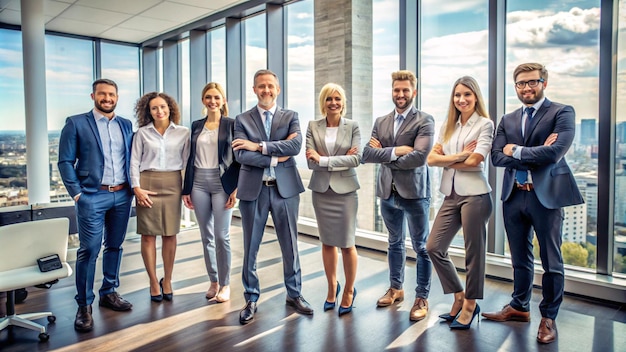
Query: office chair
x=21, y=245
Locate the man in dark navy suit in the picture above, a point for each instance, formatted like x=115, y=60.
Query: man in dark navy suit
x=94, y=160
x=531, y=143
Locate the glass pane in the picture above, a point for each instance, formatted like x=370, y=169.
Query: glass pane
x=217, y=69
x=620, y=147
x=121, y=64
x=69, y=75
x=454, y=44
x=13, y=190
x=185, y=80
x=301, y=95
x=255, y=54
x=564, y=37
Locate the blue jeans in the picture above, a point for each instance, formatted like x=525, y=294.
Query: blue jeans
x=395, y=211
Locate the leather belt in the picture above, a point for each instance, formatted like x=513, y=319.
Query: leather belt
x=269, y=183
x=111, y=188
x=525, y=187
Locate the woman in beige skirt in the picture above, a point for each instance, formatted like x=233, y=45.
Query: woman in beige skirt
x=159, y=153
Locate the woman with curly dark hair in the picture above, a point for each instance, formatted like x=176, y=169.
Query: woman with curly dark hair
x=159, y=154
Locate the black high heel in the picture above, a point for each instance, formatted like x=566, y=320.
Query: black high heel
x=458, y=326
x=331, y=305
x=157, y=298
x=166, y=296
x=347, y=310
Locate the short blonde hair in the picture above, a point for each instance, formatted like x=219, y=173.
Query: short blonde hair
x=327, y=90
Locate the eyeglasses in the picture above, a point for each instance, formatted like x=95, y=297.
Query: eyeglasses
x=532, y=83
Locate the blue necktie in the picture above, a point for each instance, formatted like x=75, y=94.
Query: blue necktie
x=521, y=176
x=269, y=172
x=399, y=120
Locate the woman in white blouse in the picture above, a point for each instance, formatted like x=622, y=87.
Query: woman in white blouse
x=463, y=146
x=159, y=153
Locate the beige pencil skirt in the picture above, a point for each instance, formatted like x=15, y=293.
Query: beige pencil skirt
x=163, y=219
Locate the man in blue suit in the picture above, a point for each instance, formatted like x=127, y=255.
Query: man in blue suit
x=531, y=143
x=266, y=139
x=94, y=160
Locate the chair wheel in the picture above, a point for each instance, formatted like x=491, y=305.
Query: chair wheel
x=43, y=337
x=52, y=319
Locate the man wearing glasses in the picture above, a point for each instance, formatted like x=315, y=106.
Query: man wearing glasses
x=531, y=143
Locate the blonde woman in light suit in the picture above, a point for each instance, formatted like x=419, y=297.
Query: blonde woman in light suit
x=463, y=146
x=333, y=152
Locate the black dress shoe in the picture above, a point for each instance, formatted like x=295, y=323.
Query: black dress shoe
x=115, y=302
x=246, y=315
x=301, y=305
x=84, y=321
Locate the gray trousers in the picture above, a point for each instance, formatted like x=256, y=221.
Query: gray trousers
x=471, y=214
x=209, y=199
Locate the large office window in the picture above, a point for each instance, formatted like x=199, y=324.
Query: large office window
x=13, y=190
x=255, y=55
x=185, y=82
x=69, y=75
x=385, y=55
x=620, y=147
x=453, y=44
x=121, y=64
x=217, y=66
x=564, y=37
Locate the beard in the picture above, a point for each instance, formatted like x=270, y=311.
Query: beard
x=408, y=102
x=530, y=99
x=99, y=106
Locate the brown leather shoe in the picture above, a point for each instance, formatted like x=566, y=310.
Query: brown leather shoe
x=508, y=313
x=115, y=302
x=84, y=321
x=392, y=295
x=419, y=310
x=547, y=331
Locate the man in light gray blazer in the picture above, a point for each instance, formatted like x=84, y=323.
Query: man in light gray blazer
x=266, y=139
x=400, y=143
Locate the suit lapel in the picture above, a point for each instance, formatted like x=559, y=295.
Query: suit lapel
x=386, y=130
x=342, y=131
x=319, y=135
x=535, y=120
x=91, y=121
x=408, y=118
x=256, y=118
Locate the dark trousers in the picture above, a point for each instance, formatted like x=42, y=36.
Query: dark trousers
x=522, y=213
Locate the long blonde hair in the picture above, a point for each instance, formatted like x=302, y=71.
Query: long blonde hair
x=219, y=88
x=453, y=112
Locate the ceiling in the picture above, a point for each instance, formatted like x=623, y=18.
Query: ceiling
x=132, y=21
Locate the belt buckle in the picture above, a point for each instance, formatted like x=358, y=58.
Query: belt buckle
x=111, y=188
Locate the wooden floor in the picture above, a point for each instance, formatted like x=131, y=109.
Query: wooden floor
x=191, y=323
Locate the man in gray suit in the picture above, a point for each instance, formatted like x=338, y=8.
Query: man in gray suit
x=400, y=143
x=266, y=139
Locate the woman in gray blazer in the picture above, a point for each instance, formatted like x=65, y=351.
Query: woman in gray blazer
x=333, y=152
x=463, y=146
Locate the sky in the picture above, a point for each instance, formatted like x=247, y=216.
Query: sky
x=563, y=35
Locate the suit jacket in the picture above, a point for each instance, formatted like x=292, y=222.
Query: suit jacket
x=229, y=167
x=468, y=182
x=409, y=172
x=553, y=181
x=340, y=174
x=81, y=158
x=249, y=126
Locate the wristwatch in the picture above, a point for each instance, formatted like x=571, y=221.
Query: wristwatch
x=261, y=145
x=514, y=148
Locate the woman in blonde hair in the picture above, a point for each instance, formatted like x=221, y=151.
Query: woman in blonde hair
x=210, y=186
x=333, y=152
x=463, y=146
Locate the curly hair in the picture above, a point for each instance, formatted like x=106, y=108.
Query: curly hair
x=142, y=108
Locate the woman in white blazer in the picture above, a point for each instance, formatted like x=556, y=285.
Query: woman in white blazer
x=463, y=146
x=333, y=152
